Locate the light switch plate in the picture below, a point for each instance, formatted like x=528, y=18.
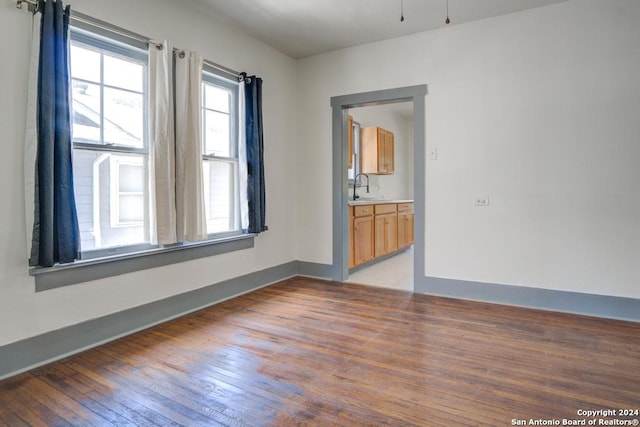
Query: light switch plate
x=433, y=153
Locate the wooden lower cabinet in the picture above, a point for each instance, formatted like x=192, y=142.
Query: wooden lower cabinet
x=378, y=229
x=406, y=220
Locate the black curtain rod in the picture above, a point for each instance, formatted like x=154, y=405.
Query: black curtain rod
x=81, y=17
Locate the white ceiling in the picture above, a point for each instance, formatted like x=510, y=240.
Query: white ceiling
x=301, y=28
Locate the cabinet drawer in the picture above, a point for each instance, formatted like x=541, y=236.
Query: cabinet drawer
x=385, y=208
x=363, y=210
x=405, y=207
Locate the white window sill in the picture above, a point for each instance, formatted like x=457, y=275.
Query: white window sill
x=100, y=268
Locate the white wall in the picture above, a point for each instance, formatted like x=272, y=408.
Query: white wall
x=23, y=313
x=539, y=111
x=399, y=185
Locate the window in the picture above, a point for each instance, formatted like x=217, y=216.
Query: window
x=109, y=81
x=355, y=156
x=111, y=151
x=111, y=163
x=220, y=154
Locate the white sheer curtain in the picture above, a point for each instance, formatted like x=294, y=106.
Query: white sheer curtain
x=191, y=217
x=242, y=160
x=162, y=144
x=31, y=132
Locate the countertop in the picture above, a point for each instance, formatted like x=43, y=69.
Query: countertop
x=377, y=201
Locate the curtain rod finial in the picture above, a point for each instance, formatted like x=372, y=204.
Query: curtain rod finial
x=33, y=5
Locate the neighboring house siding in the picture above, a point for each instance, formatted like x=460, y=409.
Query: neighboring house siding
x=83, y=183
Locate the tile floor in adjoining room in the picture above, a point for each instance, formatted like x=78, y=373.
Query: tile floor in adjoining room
x=395, y=273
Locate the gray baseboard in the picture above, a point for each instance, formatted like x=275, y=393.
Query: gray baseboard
x=36, y=351
x=41, y=349
x=312, y=269
x=609, y=307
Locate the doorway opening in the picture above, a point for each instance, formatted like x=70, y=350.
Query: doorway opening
x=381, y=249
x=340, y=106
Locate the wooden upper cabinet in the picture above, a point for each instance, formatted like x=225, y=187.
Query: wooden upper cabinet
x=350, y=140
x=377, y=151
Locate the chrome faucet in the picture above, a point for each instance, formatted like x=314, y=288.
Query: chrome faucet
x=355, y=184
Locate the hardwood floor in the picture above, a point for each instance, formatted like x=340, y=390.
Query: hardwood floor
x=310, y=352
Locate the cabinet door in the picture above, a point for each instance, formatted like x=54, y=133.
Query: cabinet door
x=369, y=149
x=410, y=228
x=385, y=151
x=380, y=232
x=391, y=233
x=363, y=239
x=386, y=234
x=389, y=152
x=402, y=229
x=382, y=159
x=405, y=229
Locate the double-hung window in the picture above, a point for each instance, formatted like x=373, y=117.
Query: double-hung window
x=110, y=144
x=111, y=147
x=112, y=174
x=220, y=169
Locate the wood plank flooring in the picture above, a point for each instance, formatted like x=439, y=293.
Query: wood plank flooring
x=311, y=352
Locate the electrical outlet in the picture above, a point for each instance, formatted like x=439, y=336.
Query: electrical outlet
x=482, y=201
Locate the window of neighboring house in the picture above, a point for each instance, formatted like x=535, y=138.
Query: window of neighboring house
x=220, y=155
x=110, y=148
x=127, y=197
